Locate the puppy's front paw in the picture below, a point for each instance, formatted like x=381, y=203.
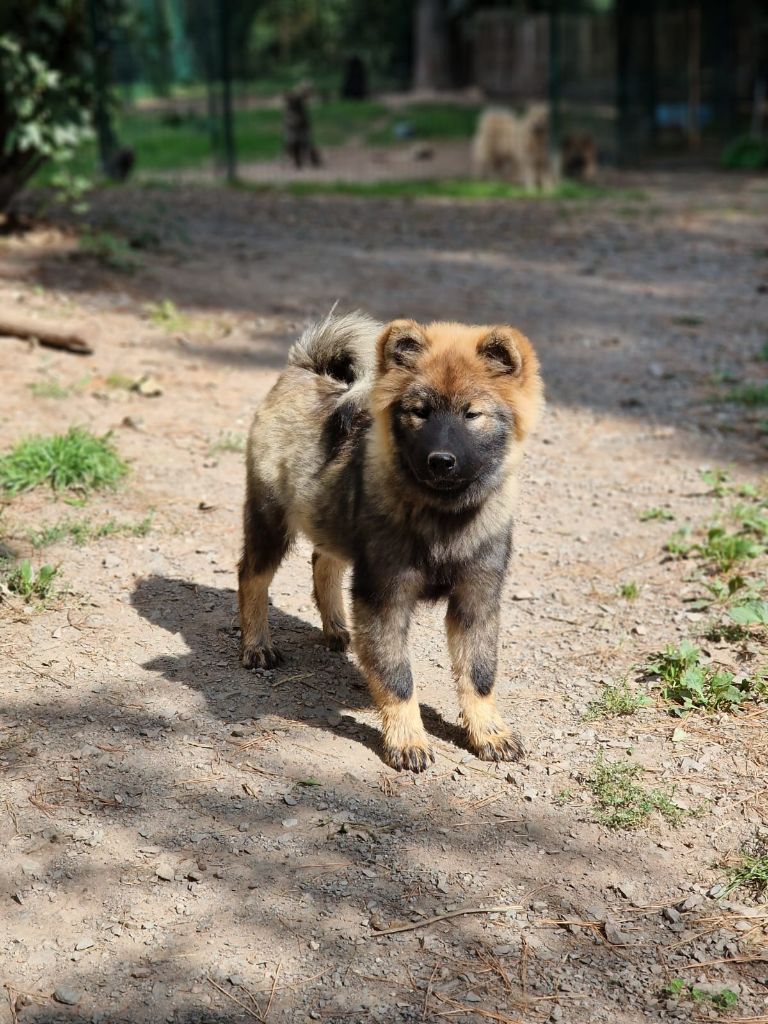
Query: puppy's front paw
x=337, y=637
x=411, y=757
x=261, y=656
x=500, y=745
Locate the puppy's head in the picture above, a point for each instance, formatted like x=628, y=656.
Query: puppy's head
x=453, y=405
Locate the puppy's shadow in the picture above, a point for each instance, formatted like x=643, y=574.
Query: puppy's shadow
x=312, y=685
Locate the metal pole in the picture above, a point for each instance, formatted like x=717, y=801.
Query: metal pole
x=226, y=89
x=554, y=83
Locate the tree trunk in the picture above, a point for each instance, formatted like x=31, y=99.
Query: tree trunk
x=431, y=46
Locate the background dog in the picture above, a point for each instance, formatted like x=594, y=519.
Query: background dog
x=514, y=147
x=297, y=128
x=395, y=449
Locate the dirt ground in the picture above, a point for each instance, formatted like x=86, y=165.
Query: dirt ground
x=184, y=840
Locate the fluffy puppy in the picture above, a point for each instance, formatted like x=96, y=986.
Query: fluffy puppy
x=514, y=147
x=395, y=450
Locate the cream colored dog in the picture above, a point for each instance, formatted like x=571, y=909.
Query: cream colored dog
x=514, y=147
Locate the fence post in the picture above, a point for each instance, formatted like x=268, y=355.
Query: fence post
x=225, y=68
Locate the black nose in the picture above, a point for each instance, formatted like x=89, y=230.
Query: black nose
x=441, y=463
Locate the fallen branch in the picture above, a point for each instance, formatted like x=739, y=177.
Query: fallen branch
x=46, y=333
x=446, y=917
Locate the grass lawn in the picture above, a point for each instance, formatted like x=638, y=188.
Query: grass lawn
x=164, y=142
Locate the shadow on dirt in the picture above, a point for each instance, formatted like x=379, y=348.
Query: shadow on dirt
x=313, y=685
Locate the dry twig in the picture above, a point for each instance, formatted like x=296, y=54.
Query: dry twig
x=446, y=917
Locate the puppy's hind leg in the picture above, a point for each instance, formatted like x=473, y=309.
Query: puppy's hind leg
x=327, y=574
x=266, y=541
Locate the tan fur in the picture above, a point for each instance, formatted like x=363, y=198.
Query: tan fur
x=328, y=575
x=253, y=602
x=514, y=147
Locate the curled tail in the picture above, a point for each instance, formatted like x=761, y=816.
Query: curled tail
x=342, y=347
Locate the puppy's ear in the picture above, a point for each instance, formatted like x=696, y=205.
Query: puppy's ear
x=400, y=344
x=502, y=352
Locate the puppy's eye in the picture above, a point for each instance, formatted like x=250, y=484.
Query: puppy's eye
x=472, y=414
x=421, y=412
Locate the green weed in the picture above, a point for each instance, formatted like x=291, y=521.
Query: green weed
x=677, y=988
x=119, y=381
x=80, y=531
x=629, y=591
x=751, y=613
x=165, y=314
x=681, y=543
x=227, y=442
x=689, y=684
x=621, y=802
x=716, y=480
x=617, y=700
x=49, y=389
x=657, y=512
x=750, y=394
x=32, y=584
x=750, y=872
x=108, y=249
x=77, y=459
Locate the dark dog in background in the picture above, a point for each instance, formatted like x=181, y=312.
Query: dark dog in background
x=297, y=128
x=395, y=449
x=579, y=157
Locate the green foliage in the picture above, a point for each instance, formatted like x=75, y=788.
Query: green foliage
x=746, y=152
x=449, y=189
x=227, y=442
x=724, y=549
x=165, y=314
x=49, y=389
x=678, y=988
x=752, y=613
x=681, y=542
x=80, y=531
x=77, y=459
x=716, y=480
x=31, y=584
x=750, y=394
x=657, y=512
x=750, y=872
x=108, y=249
x=629, y=591
x=617, y=700
x=622, y=803
x=690, y=684
x=45, y=87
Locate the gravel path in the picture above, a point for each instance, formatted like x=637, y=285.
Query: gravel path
x=187, y=841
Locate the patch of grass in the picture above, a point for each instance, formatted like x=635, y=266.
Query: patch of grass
x=622, y=803
x=31, y=584
x=716, y=480
x=657, y=512
x=108, y=249
x=762, y=355
x=77, y=459
x=749, y=872
x=49, y=388
x=629, y=591
x=617, y=700
x=681, y=543
x=749, y=394
x=724, y=549
x=689, y=684
x=119, y=382
x=227, y=442
x=80, y=531
x=446, y=189
x=166, y=315
x=678, y=988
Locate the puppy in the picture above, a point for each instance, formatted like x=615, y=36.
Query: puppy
x=579, y=157
x=395, y=450
x=514, y=147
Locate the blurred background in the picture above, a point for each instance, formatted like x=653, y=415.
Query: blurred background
x=196, y=89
